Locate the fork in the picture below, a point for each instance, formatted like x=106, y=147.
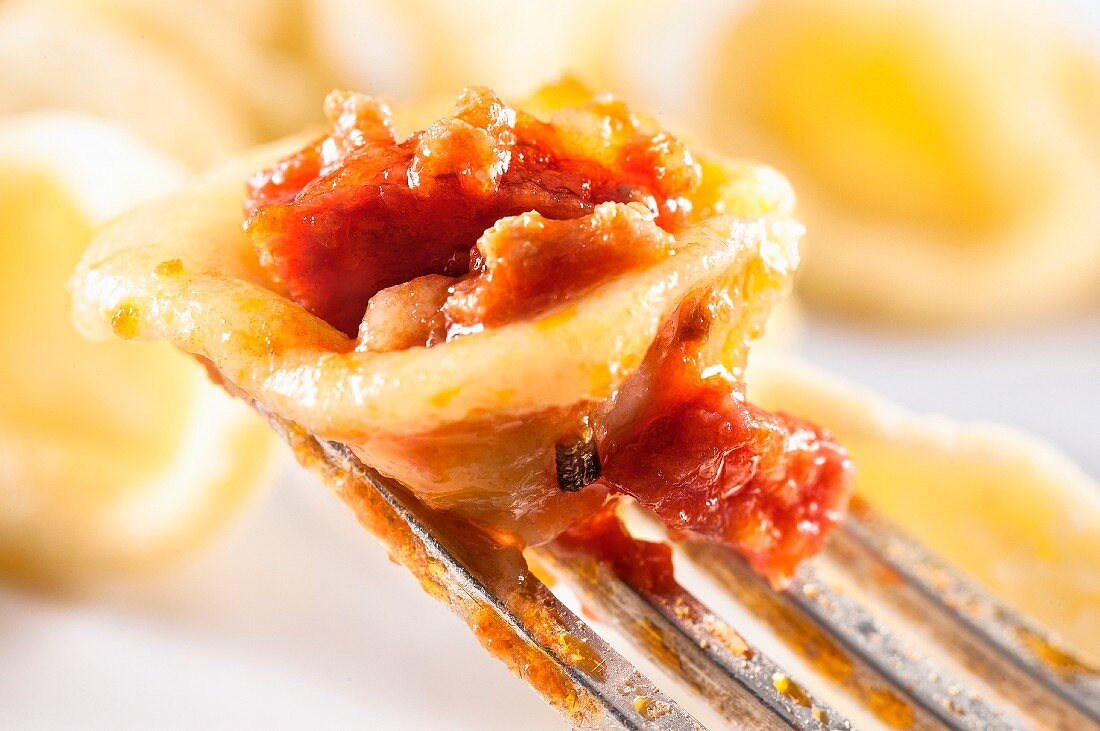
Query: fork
x=854, y=614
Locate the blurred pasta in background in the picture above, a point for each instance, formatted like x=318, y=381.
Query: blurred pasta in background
x=111, y=457
x=945, y=154
x=198, y=80
x=946, y=157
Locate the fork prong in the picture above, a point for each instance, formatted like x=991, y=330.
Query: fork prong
x=678, y=632
x=852, y=647
x=1015, y=656
x=513, y=614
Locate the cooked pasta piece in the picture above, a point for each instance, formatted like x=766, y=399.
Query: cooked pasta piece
x=520, y=318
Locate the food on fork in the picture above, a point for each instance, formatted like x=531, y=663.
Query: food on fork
x=518, y=318
x=114, y=457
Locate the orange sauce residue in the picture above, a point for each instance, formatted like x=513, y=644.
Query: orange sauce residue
x=125, y=321
x=527, y=664
x=170, y=268
x=582, y=656
x=651, y=708
x=730, y=639
x=657, y=646
x=890, y=708
x=790, y=689
x=1057, y=659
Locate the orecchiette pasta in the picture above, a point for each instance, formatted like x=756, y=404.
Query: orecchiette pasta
x=516, y=317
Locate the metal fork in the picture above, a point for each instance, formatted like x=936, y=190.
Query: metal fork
x=998, y=671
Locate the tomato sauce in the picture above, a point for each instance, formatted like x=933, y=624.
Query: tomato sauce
x=643, y=564
x=359, y=211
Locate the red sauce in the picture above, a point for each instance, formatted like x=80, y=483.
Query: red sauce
x=708, y=463
x=359, y=211
x=644, y=565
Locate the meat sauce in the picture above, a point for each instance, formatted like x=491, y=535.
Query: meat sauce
x=362, y=227
x=710, y=464
x=359, y=211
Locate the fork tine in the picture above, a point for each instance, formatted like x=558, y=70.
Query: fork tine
x=514, y=615
x=852, y=647
x=1013, y=655
x=678, y=632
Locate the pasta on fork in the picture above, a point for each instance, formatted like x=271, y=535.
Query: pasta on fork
x=519, y=318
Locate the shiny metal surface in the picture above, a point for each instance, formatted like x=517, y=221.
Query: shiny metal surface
x=1012, y=654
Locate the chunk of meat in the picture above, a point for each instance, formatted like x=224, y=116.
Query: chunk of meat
x=527, y=264
x=769, y=485
x=406, y=315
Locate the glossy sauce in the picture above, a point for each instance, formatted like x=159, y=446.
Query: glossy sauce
x=707, y=462
x=359, y=211
x=529, y=264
